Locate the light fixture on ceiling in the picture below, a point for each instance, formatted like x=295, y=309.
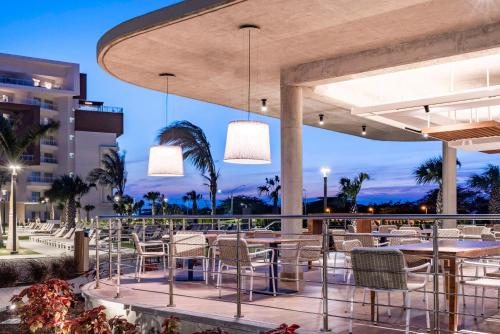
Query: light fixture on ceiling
x=263, y=105
x=427, y=112
x=363, y=130
x=321, y=119
x=166, y=160
x=247, y=142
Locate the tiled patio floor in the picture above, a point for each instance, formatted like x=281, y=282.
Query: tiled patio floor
x=303, y=309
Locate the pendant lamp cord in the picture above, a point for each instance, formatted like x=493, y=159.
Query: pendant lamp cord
x=166, y=101
x=249, y=71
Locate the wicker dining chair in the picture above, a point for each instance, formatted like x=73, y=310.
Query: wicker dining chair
x=384, y=270
x=142, y=254
x=448, y=234
x=228, y=258
x=396, y=240
x=387, y=228
x=338, y=237
x=191, y=246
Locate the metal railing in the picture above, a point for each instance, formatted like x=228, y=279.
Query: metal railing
x=451, y=260
x=42, y=104
x=40, y=179
x=111, y=109
x=48, y=141
x=25, y=82
x=48, y=160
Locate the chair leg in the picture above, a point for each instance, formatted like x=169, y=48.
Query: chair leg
x=219, y=279
x=427, y=311
x=136, y=266
x=389, y=304
x=165, y=265
x=408, y=311
x=141, y=259
x=297, y=283
x=482, y=302
x=273, y=280
x=353, y=291
x=251, y=284
x=334, y=263
x=475, y=303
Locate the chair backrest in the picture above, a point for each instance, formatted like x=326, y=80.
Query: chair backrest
x=69, y=233
x=310, y=249
x=448, y=234
x=473, y=230
x=413, y=228
x=349, y=245
x=137, y=243
x=338, y=237
x=366, y=239
x=228, y=252
x=488, y=237
x=379, y=268
x=386, y=228
x=61, y=233
x=394, y=241
x=351, y=229
x=189, y=245
x=410, y=241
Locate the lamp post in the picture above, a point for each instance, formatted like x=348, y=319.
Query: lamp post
x=325, y=171
x=232, y=197
x=371, y=210
x=12, y=236
x=117, y=199
x=3, y=199
x=46, y=201
x=304, y=197
x=424, y=208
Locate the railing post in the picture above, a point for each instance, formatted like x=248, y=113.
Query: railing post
x=171, y=264
x=326, y=248
x=435, y=285
x=218, y=224
x=118, y=256
x=143, y=230
x=238, y=270
x=97, y=264
x=184, y=224
x=110, y=253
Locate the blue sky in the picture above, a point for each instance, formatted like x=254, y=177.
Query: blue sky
x=69, y=31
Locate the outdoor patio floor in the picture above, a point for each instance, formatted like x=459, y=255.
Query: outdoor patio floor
x=303, y=309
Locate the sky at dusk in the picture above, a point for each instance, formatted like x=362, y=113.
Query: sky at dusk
x=69, y=31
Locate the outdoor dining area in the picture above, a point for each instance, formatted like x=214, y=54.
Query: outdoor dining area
x=396, y=277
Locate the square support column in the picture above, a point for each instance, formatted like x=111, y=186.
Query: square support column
x=449, y=183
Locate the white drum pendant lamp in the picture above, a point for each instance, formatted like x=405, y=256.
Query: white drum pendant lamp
x=247, y=142
x=166, y=160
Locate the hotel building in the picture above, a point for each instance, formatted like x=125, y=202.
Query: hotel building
x=38, y=90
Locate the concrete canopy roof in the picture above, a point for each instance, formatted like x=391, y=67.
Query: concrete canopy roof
x=199, y=41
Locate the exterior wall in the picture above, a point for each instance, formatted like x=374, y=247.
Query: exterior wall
x=54, y=88
x=90, y=147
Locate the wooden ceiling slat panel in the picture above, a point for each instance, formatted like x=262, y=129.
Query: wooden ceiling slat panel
x=464, y=131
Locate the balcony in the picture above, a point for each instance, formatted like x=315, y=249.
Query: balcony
x=101, y=108
x=48, y=141
x=40, y=179
x=48, y=160
x=29, y=83
x=35, y=102
x=27, y=157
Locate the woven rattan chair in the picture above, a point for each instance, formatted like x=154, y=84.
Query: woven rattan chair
x=488, y=237
x=228, y=258
x=191, y=246
x=395, y=241
x=338, y=237
x=473, y=232
x=142, y=254
x=384, y=270
x=387, y=228
x=448, y=234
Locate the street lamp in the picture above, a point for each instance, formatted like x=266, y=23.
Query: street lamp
x=3, y=199
x=325, y=171
x=232, y=196
x=371, y=210
x=12, y=237
x=424, y=208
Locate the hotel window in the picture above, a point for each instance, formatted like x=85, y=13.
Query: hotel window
x=5, y=98
x=35, y=196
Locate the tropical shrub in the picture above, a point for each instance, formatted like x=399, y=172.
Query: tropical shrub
x=46, y=307
x=283, y=329
x=38, y=271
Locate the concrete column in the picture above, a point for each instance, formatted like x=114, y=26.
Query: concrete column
x=291, y=163
x=291, y=156
x=449, y=183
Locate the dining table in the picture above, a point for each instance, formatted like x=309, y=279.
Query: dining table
x=451, y=251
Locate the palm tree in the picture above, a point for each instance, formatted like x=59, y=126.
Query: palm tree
x=272, y=189
x=112, y=173
x=196, y=148
x=350, y=188
x=88, y=208
x=431, y=172
x=488, y=182
x=69, y=189
x=193, y=197
x=14, y=142
x=137, y=207
x=152, y=196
